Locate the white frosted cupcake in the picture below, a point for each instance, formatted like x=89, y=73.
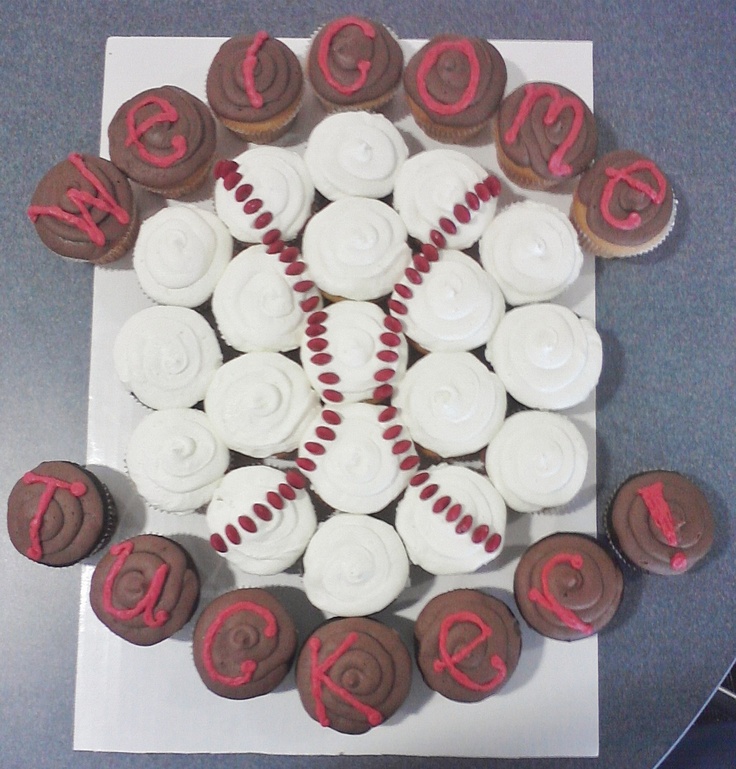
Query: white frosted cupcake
x=180, y=254
x=166, y=356
x=260, y=519
x=354, y=566
x=445, y=198
x=355, y=154
x=537, y=460
x=260, y=403
x=532, y=251
x=356, y=248
x=351, y=352
x=451, y=403
x=447, y=302
x=264, y=189
x=358, y=457
x=176, y=459
x=262, y=300
x=451, y=520
x=546, y=356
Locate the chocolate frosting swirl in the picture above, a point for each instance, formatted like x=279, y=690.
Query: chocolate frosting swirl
x=449, y=77
x=456, y=655
x=277, y=78
x=129, y=578
x=247, y=640
x=567, y=586
x=369, y=668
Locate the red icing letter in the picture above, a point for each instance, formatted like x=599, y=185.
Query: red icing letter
x=324, y=50
x=167, y=114
x=548, y=601
x=249, y=67
x=661, y=514
x=616, y=175
x=430, y=59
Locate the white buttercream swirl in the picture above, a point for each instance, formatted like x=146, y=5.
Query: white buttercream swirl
x=537, y=460
x=259, y=403
x=355, y=153
x=547, y=356
x=354, y=566
x=532, y=251
x=432, y=541
x=356, y=248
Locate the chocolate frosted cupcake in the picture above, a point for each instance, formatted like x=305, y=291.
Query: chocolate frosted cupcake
x=84, y=209
x=164, y=139
x=567, y=586
x=59, y=513
x=255, y=85
x=660, y=522
x=454, y=85
x=145, y=589
x=244, y=643
x=354, y=63
x=467, y=644
x=353, y=674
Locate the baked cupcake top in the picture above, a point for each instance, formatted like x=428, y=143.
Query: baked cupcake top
x=351, y=352
x=260, y=403
x=351, y=154
x=180, y=254
x=532, y=251
x=83, y=208
x=358, y=457
x=451, y=520
x=261, y=519
x=161, y=138
x=354, y=61
x=176, y=459
x=661, y=522
x=354, y=565
x=57, y=513
x=253, y=78
x=547, y=356
x=567, y=586
x=356, y=248
x=451, y=403
x=244, y=643
x=468, y=644
x=145, y=589
x=456, y=80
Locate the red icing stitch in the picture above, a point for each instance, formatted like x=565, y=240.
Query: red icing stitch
x=333, y=396
x=309, y=304
x=76, y=489
x=441, y=504
x=232, y=180
x=398, y=307
x=616, y=175
x=250, y=62
x=388, y=414
x=243, y=192
x=167, y=114
x=661, y=514
x=224, y=167
x=271, y=236
x=263, y=220
x=331, y=417
x=232, y=534
x=438, y=238
x=248, y=524
x=262, y=511
x=329, y=378
x=274, y=499
x=324, y=50
x=147, y=604
x=393, y=432
x=248, y=666
x=253, y=206
x=218, y=543
x=465, y=47
x=296, y=268
x=409, y=463
x=321, y=358
x=295, y=479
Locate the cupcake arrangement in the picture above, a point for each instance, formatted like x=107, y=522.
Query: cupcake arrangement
x=355, y=367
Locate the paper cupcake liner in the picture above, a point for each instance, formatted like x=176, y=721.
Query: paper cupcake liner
x=110, y=510
x=123, y=246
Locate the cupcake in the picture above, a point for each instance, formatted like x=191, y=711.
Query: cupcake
x=538, y=460
x=567, y=586
x=532, y=251
x=354, y=63
x=454, y=85
x=145, y=589
x=351, y=352
x=356, y=248
x=353, y=674
x=451, y=520
x=660, y=522
x=354, y=565
x=355, y=154
x=468, y=644
x=59, y=513
x=545, y=134
x=163, y=139
x=546, y=356
x=176, y=459
x=255, y=86
x=83, y=208
x=623, y=205
x=260, y=519
x=180, y=254
x=244, y=643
